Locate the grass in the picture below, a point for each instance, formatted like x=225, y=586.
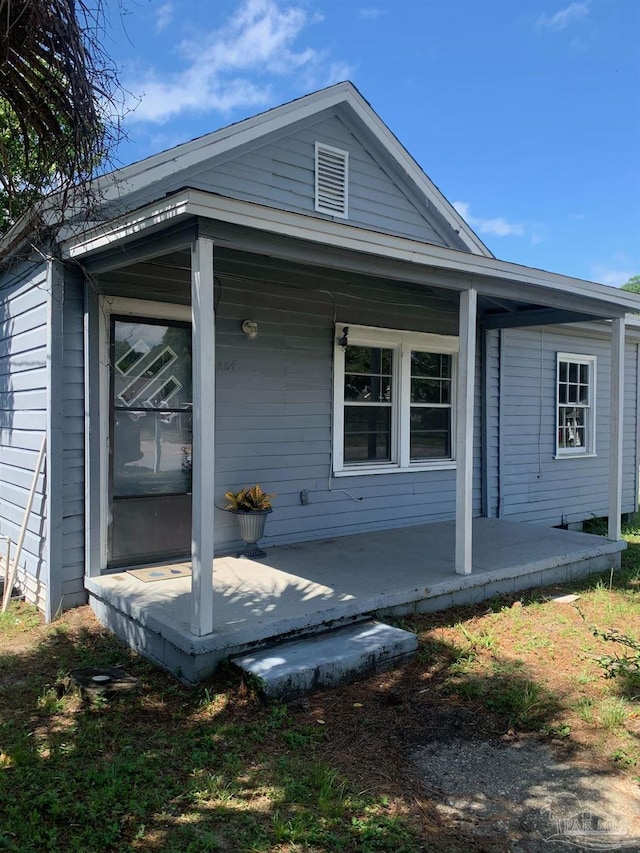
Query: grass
x=169, y=768
x=214, y=769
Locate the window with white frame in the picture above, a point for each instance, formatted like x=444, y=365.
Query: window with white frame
x=575, y=420
x=393, y=400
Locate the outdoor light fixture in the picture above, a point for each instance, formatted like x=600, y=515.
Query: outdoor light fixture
x=344, y=340
x=250, y=328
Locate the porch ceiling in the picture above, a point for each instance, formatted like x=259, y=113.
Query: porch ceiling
x=166, y=277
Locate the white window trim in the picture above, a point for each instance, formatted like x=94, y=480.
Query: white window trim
x=402, y=343
x=589, y=451
x=320, y=208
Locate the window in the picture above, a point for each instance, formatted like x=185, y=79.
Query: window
x=393, y=400
x=575, y=428
x=332, y=172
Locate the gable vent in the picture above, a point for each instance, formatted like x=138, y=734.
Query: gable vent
x=332, y=173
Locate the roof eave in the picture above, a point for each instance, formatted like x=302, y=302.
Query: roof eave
x=190, y=203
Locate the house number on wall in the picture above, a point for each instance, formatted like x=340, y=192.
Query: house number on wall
x=226, y=366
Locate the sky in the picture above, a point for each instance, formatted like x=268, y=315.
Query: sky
x=524, y=113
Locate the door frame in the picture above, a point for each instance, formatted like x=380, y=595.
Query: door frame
x=121, y=306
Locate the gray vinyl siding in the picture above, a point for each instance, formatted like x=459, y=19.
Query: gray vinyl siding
x=23, y=417
x=274, y=394
x=533, y=485
x=278, y=171
x=274, y=410
x=72, y=562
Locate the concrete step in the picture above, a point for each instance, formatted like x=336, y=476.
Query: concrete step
x=336, y=657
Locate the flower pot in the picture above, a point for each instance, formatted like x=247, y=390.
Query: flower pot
x=251, y=530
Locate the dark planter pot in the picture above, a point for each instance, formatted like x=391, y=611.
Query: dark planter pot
x=251, y=530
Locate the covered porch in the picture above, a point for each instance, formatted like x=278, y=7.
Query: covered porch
x=212, y=274
x=301, y=589
x=192, y=262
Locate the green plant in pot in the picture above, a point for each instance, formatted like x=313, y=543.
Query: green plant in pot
x=251, y=505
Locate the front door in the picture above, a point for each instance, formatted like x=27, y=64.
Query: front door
x=150, y=441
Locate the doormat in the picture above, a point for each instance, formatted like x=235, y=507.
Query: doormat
x=161, y=573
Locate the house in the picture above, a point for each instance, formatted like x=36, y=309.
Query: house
x=291, y=301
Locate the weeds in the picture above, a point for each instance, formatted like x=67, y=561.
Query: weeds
x=613, y=713
x=619, y=665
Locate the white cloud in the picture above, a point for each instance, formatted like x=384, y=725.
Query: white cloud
x=498, y=226
x=565, y=17
x=164, y=16
x=229, y=67
x=614, y=277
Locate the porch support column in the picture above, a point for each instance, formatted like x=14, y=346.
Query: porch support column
x=464, y=429
x=616, y=420
x=203, y=445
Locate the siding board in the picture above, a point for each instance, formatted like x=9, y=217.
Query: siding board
x=23, y=400
x=282, y=438
x=534, y=485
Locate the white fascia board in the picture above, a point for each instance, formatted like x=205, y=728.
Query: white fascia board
x=337, y=235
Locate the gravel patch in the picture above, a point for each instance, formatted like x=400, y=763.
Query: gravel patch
x=524, y=797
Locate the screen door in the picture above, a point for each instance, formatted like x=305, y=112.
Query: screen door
x=150, y=441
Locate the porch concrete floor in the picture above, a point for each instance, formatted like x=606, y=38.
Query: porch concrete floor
x=300, y=587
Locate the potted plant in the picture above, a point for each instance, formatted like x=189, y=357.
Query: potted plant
x=252, y=505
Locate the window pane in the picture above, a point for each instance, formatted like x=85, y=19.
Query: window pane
x=430, y=433
x=425, y=364
x=367, y=389
x=573, y=372
x=367, y=434
x=562, y=392
x=368, y=374
x=430, y=391
x=571, y=427
x=151, y=365
x=151, y=453
x=563, y=371
x=368, y=360
x=434, y=365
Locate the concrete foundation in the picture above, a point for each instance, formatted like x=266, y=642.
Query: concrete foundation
x=300, y=590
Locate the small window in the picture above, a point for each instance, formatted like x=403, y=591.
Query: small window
x=394, y=394
x=575, y=420
x=332, y=167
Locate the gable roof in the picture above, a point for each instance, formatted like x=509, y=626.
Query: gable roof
x=145, y=173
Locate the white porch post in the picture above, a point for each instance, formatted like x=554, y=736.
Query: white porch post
x=464, y=430
x=203, y=445
x=616, y=420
